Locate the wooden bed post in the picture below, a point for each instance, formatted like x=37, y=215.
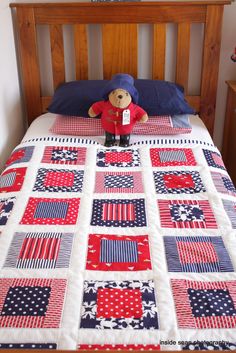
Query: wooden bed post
x=29, y=61
x=211, y=57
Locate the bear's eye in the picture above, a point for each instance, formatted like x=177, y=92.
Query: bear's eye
x=127, y=94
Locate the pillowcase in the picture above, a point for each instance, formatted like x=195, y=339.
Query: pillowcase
x=156, y=97
x=156, y=125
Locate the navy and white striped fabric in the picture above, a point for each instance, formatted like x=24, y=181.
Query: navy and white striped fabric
x=167, y=156
x=7, y=180
x=118, y=251
x=51, y=210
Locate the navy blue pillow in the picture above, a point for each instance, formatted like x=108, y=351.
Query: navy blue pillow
x=155, y=97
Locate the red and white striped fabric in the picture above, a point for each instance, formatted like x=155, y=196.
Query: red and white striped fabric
x=79, y=126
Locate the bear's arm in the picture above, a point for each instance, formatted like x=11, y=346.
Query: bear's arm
x=97, y=108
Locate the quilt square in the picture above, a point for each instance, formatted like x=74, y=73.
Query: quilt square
x=223, y=184
x=205, y=304
x=119, y=347
x=118, y=182
x=118, y=158
x=214, y=159
x=59, y=180
x=178, y=182
x=197, y=254
x=51, y=211
x=6, y=206
x=20, y=155
x=12, y=179
x=209, y=346
x=163, y=157
x=230, y=209
x=119, y=305
x=30, y=303
x=64, y=155
x=28, y=346
x=119, y=213
x=118, y=253
x=39, y=250
x=186, y=214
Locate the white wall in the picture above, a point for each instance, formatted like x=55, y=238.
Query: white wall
x=11, y=117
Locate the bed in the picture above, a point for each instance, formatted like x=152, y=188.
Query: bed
x=117, y=248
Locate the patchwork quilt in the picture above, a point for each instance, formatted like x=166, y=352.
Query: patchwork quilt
x=130, y=249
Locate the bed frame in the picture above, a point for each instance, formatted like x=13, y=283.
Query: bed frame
x=120, y=44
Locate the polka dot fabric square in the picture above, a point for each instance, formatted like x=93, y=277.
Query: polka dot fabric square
x=205, y=304
x=20, y=155
x=186, y=214
x=64, y=155
x=118, y=158
x=164, y=157
x=31, y=303
x=118, y=182
x=118, y=253
x=28, y=346
x=118, y=347
x=51, y=211
x=197, y=254
x=6, y=207
x=12, y=179
x=119, y=305
x=214, y=159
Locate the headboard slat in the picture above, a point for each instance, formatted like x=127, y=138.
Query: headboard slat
x=57, y=51
x=183, y=50
x=120, y=49
x=159, y=51
x=81, y=51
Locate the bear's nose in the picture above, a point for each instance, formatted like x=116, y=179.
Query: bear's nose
x=120, y=96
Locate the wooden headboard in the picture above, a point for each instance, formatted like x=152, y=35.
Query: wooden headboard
x=119, y=25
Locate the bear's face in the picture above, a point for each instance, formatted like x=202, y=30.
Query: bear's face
x=120, y=98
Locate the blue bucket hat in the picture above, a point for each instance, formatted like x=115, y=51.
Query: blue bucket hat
x=123, y=81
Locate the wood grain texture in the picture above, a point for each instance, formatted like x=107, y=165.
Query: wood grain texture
x=29, y=62
x=159, y=51
x=57, y=52
x=81, y=51
x=210, y=67
x=120, y=49
x=183, y=50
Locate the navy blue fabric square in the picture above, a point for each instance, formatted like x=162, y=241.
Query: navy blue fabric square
x=228, y=184
x=59, y=154
x=26, y=301
x=186, y=213
x=51, y=210
x=211, y=302
x=119, y=181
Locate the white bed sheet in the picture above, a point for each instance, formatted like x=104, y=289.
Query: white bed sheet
x=40, y=127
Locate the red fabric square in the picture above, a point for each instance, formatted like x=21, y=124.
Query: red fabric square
x=12, y=179
x=178, y=181
x=200, y=252
x=16, y=156
x=59, y=179
x=118, y=157
x=119, y=303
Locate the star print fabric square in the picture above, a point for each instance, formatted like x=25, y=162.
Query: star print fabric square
x=20, y=155
x=186, y=214
x=205, y=304
x=51, y=211
x=39, y=250
x=119, y=182
x=119, y=305
x=223, y=183
x=118, y=253
x=164, y=157
x=118, y=158
x=64, y=155
x=197, y=254
x=214, y=159
x=119, y=213
x=6, y=206
x=178, y=182
x=230, y=209
x=59, y=180
x=30, y=303
x=12, y=179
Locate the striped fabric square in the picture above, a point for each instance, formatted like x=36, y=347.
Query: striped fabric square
x=178, y=182
x=18, y=298
x=118, y=182
x=119, y=213
x=186, y=214
x=6, y=206
x=59, y=180
x=197, y=254
x=28, y=345
x=51, y=211
x=205, y=305
x=119, y=305
x=39, y=250
x=223, y=183
x=230, y=209
x=118, y=253
x=118, y=347
x=20, y=155
x=163, y=157
x=214, y=159
x=12, y=179
x=118, y=158
x=64, y=155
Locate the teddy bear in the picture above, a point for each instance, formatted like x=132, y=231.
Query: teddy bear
x=119, y=110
